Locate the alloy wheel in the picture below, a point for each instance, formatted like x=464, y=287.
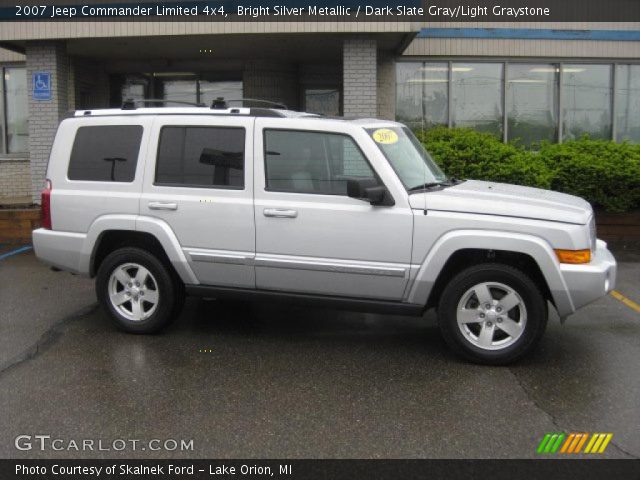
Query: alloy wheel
x=491, y=316
x=133, y=291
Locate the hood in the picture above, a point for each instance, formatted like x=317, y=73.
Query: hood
x=489, y=198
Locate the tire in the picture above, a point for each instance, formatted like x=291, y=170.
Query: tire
x=145, y=307
x=501, y=334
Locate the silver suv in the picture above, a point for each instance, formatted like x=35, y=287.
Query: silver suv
x=273, y=204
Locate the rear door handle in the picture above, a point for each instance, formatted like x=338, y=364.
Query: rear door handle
x=280, y=213
x=162, y=206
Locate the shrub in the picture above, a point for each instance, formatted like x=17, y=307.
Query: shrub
x=466, y=153
x=605, y=173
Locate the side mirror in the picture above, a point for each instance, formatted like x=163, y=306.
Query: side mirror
x=370, y=190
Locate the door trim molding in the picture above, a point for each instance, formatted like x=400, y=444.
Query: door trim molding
x=332, y=267
x=230, y=257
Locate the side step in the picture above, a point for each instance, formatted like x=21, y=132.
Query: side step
x=326, y=301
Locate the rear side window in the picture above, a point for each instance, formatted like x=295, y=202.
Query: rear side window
x=201, y=157
x=106, y=153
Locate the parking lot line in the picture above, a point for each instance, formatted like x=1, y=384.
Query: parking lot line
x=11, y=253
x=629, y=303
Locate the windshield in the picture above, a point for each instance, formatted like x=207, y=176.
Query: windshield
x=407, y=156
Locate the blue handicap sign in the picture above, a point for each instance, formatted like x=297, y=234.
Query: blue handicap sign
x=41, y=85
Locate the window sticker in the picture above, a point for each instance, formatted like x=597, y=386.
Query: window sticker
x=385, y=136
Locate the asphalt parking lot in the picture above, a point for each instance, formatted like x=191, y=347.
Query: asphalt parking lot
x=256, y=380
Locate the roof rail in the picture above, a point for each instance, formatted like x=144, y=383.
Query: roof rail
x=221, y=103
x=278, y=105
x=131, y=104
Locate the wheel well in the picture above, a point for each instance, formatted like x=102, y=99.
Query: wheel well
x=465, y=258
x=114, y=239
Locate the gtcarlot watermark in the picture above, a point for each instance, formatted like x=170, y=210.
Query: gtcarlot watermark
x=43, y=442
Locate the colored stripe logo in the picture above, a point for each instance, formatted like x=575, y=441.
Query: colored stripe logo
x=568, y=443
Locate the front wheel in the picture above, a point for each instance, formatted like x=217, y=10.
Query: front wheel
x=137, y=290
x=492, y=314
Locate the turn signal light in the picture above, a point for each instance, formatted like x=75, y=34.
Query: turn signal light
x=574, y=256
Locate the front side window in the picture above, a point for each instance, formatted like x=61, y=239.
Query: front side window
x=106, y=153
x=411, y=162
x=201, y=157
x=312, y=162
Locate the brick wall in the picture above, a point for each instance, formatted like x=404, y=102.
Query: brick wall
x=360, y=69
x=15, y=179
x=44, y=116
x=386, y=87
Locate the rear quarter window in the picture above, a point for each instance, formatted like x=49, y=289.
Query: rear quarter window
x=105, y=153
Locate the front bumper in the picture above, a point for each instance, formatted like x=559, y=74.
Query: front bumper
x=588, y=282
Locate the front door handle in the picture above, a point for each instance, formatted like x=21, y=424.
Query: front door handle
x=280, y=213
x=162, y=206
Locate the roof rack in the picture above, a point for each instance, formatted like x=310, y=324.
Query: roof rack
x=278, y=105
x=131, y=104
x=220, y=103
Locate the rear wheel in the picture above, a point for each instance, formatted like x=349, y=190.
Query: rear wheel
x=138, y=291
x=492, y=314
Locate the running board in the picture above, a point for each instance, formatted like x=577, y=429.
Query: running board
x=326, y=301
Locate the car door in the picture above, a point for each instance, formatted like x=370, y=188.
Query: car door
x=200, y=182
x=310, y=236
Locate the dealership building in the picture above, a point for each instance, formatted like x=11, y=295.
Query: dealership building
x=526, y=81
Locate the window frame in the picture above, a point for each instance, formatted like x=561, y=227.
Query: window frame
x=155, y=183
x=330, y=132
x=559, y=62
x=4, y=147
x=110, y=182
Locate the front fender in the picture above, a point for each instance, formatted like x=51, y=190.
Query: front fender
x=451, y=242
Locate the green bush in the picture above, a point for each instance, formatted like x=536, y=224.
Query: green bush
x=605, y=173
x=466, y=153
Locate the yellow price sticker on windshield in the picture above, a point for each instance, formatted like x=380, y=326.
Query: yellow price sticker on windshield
x=385, y=136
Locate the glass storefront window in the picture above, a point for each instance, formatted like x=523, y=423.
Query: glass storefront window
x=210, y=90
x=532, y=102
x=17, y=130
x=422, y=94
x=540, y=99
x=325, y=101
x=181, y=88
x=477, y=96
x=133, y=91
x=586, y=98
x=3, y=130
x=628, y=103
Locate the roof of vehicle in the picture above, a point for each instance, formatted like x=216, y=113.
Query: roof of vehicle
x=254, y=112
x=237, y=111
